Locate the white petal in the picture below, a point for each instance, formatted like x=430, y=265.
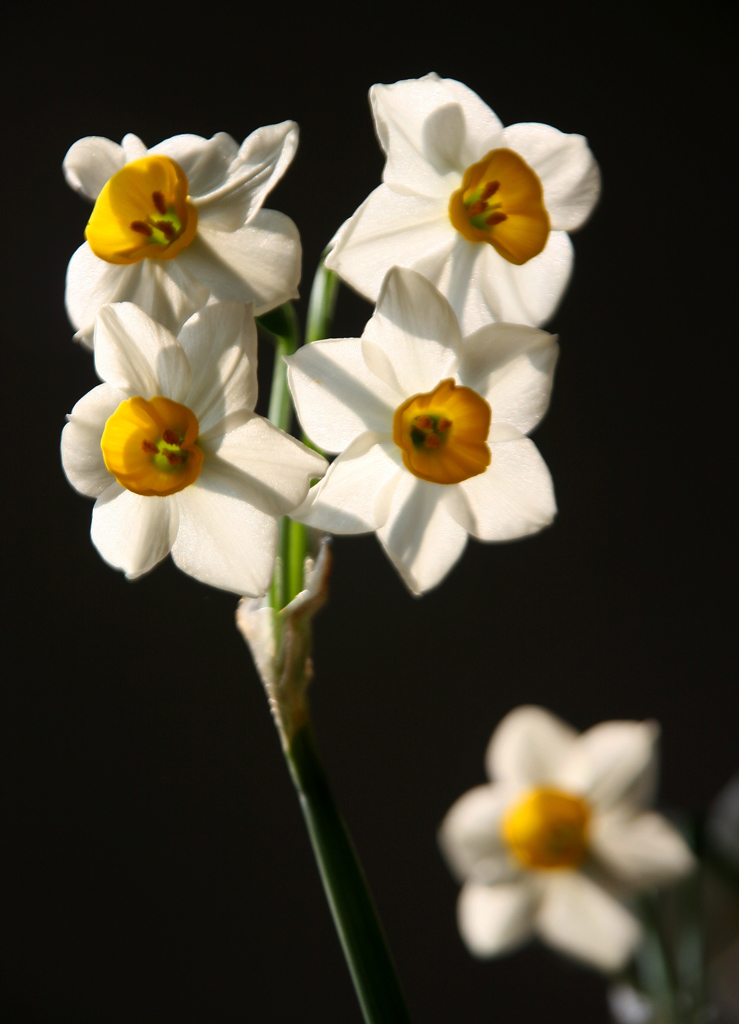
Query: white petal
x=528, y=746
x=204, y=161
x=495, y=281
x=643, y=850
x=390, y=230
x=500, y=432
x=268, y=467
x=430, y=128
x=512, y=367
x=420, y=537
x=483, y=127
x=162, y=288
x=133, y=532
x=82, y=456
x=255, y=620
x=89, y=164
x=258, y=263
x=457, y=506
x=412, y=119
x=133, y=147
x=566, y=168
x=220, y=342
x=470, y=835
x=137, y=355
x=528, y=294
x=607, y=762
x=457, y=276
x=579, y=918
x=417, y=329
x=353, y=496
x=513, y=498
x=222, y=539
x=257, y=167
x=380, y=364
x=495, y=919
x=91, y=283
x=336, y=396
x=377, y=360
x=168, y=292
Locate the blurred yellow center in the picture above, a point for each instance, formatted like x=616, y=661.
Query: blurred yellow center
x=151, y=448
x=143, y=211
x=501, y=202
x=548, y=829
x=443, y=434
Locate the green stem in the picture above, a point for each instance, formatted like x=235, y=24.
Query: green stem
x=353, y=911
x=297, y=548
x=322, y=303
x=354, y=914
x=282, y=324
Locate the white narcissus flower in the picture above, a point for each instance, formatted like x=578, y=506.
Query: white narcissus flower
x=171, y=448
x=481, y=210
x=180, y=223
x=431, y=429
x=559, y=836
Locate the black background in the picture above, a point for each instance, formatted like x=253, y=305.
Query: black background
x=158, y=865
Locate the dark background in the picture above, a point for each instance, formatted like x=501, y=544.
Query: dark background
x=158, y=865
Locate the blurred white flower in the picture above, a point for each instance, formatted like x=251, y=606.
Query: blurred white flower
x=481, y=210
x=171, y=448
x=431, y=429
x=181, y=222
x=559, y=836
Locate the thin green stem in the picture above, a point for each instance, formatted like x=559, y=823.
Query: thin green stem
x=297, y=546
x=322, y=303
x=282, y=324
x=279, y=588
x=355, y=917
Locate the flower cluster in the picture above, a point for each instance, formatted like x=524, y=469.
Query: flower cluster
x=169, y=445
x=464, y=248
